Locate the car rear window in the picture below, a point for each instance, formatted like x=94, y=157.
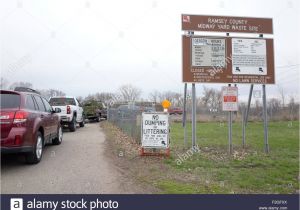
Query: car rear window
x=62, y=101
x=9, y=100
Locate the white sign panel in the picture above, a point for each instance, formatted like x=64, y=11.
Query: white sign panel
x=155, y=130
x=230, y=98
x=208, y=52
x=249, y=56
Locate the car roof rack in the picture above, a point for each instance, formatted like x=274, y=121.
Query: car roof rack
x=25, y=89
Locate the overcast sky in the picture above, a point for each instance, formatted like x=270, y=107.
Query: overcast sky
x=83, y=47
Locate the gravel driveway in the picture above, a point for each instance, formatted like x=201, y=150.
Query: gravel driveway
x=78, y=165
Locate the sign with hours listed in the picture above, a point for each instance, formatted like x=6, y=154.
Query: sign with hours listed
x=155, y=130
x=229, y=98
x=208, y=52
x=227, y=60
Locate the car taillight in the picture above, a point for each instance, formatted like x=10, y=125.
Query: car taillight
x=68, y=110
x=7, y=116
x=20, y=117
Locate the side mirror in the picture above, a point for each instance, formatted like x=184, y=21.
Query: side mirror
x=57, y=110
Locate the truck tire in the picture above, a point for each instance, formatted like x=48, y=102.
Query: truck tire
x=35, y=156
x=59, y=136
x=81, y=124
x=72, y=125
x=98, y=119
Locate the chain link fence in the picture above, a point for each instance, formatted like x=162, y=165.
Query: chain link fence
x=127, y=116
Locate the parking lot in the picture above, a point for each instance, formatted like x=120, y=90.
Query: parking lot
x=78, y=165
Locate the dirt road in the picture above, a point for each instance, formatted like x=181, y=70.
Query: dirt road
x=78, y=165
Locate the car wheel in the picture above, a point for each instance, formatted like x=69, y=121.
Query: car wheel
x=98, y=119
x=81, y=124
x=36, y=155
x=59, y=136
x=72, y=125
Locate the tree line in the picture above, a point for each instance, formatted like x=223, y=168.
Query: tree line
x=209, y=102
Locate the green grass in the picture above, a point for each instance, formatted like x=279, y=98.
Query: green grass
x=247, y=171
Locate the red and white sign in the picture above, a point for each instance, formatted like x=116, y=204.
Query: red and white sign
x=186, y=18
x=229, y=98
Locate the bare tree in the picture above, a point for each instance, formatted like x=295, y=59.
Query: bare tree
x=154, y=96
x=273, y=106
x=51, y=93
x=258, y=108
x=292, y=106
x=175, y=98
x=212, y=98
x=282, y=95
x=105, y=97
x=129, y=93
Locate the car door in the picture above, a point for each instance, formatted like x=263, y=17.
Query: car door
x=45, y=117
x=53, y=119
x=31, y=107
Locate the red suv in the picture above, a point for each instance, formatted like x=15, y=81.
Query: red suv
x=28, y=123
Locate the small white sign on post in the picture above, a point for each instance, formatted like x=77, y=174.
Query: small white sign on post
x=229, y=98
x=155, y=130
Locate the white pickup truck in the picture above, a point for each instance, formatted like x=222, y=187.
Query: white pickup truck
x=71, y=111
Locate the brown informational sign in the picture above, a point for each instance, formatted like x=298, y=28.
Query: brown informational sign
x=226, y=24
x=227, y=60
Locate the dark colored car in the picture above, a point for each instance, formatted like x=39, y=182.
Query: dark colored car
x=175, y=110
x=28, y=123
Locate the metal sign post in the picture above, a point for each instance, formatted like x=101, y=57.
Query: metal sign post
x=249, y=103
x=243, y=128
x=230, y=129
x=265, y=119
x=193, y=115
x=230, y=132
x=184, y=113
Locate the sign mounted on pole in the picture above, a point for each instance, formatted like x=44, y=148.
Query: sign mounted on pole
x=226, y=24
x=217, y=59
x=229, y=98
x=227, y=60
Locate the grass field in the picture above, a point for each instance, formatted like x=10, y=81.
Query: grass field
x=248, y=170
